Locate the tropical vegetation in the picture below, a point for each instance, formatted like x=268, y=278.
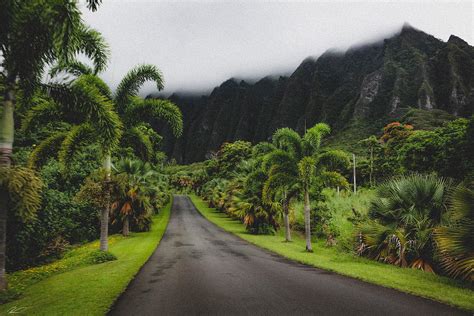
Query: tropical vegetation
x=80, y=162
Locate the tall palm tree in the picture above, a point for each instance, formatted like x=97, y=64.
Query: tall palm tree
x=141, y=116
x=298, y=165
x=133, y=111
x=455, y=239
x=85, y=105
x=33, y=34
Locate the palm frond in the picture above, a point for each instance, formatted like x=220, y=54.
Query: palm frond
x=45, y=149
x=287, y=139
x=278, y=157
x=93, y=45
x=334, y=179
x=73, y=67
x=333, y=160
x=98, y=83
x=455, y=240
x=75, y=138
x=313, y=136
x=23, y=187
x=101, y=111
x=140, y=142
x=133, y=80
x=306, y=170
x=41, y=112
x=153, y=110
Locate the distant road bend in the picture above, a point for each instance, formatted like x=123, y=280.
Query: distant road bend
x=199, y=269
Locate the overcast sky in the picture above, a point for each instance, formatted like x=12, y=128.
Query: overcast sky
x=199, y=44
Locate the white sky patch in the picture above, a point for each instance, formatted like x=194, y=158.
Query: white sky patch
x=199, y=44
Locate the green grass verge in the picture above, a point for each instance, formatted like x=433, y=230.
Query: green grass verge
x=74, y=285
x=407, y=280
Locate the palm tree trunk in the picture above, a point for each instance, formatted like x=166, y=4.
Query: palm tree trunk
x=6, y=145
x=126, y=226
x=104, y=216
x=286, y=211
x=307, y=221
x=371, y=165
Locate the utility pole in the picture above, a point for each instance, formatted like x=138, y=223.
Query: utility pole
x=354, y=172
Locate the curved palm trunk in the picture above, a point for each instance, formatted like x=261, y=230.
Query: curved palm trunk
x=307, y=221
x=286, y=211
x=104, y=216
x=6, y=145
x=126, y=226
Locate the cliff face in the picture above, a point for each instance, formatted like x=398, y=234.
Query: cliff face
x=373, y=84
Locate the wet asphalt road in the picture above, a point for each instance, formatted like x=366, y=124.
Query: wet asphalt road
x=198, y=269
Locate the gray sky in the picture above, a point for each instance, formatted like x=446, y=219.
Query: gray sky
x=199, y=44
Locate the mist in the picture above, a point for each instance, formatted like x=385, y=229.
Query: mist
x=199, y=44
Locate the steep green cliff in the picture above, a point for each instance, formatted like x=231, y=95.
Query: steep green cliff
x=364, y=87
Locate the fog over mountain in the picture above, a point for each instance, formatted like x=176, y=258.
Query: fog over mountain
x=198, y=45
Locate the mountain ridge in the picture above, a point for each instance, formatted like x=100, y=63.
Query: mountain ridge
x=371, y=83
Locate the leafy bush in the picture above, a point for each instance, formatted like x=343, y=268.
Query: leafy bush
x=99, y=256
x=59, y=221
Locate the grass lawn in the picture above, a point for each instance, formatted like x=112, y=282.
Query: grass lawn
x=407, y=280
x=75, y=286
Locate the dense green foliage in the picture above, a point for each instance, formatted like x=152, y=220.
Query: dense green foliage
x=455, y=239
x=48, y=211
x=406, y=223
x=53, y=187
x=77, y=284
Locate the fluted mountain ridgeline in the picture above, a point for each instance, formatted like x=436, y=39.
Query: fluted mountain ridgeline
x=367, y=85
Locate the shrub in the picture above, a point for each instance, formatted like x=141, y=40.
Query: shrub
x=99, y=256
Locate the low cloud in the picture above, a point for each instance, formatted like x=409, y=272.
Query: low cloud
x=198, y=45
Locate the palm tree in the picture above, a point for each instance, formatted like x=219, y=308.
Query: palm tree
x=403, y=217
x=85, y=105
x=298, y=164
x=132, y=110
x=33, y=34
x=135, y=200
x=455, y=240
x=141, y=116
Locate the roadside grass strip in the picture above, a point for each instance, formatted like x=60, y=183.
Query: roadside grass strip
x=75, y=285
x=411, y=281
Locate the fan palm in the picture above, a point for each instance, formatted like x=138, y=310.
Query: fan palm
x=299, y=164
x=33, y=34
x=134, y=202
x=404, y=213
x=455, y=240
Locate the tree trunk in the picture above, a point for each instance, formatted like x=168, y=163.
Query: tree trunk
x=371, y=165
x=3, y=239
x=104, y=217
x=286, y=213
x=307, y=221
x=354, y=173
x=6, y=145
x=126, y=226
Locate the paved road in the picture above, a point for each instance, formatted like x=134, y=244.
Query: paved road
x=198, y=269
